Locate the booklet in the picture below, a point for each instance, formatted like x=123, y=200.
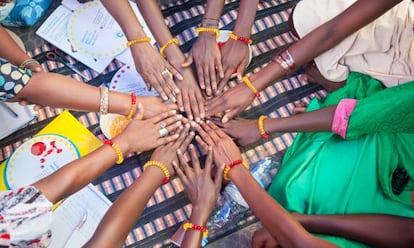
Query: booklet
x=14, y=116
x=88, y=33
x=60, y=142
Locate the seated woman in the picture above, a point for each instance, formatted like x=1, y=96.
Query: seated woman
x=25, y=213
x=344, y=187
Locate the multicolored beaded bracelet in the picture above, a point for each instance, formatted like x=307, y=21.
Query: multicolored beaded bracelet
x=231, y=165
x=245, y=40
x=260, y=125
x=189, y=225
x=133, y=107
x=117, y=150
x=249, y=84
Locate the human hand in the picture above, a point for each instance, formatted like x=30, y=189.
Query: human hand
x=143, y=135
x=167, y=154
x=154, y=106
x=33, y=67
x=156, y=71
x=225, y=150
x=235, y=57
x=263, y=239
x=232, y=102
x=36, y=107
x=190, y=98
x=244, y=131
x=207, y=58
x=200, y=187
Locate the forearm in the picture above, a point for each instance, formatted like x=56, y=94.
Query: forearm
x=245, y=18
x=274, y=218
x=126, y=210
x=373, y=229
x=153, y=17
x=314, y=121
x=77, y=174
x=72, y=94
x=199, y=216
x=328, y=35
x=9, y=49
x=213, y=10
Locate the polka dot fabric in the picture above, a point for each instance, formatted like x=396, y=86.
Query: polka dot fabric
x=12, y=80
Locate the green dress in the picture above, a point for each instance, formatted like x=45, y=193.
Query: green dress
x=322, y=173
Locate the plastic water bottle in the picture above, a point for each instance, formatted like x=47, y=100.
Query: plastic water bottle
x=231, y=208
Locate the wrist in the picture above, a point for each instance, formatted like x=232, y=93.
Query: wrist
x=200, y=214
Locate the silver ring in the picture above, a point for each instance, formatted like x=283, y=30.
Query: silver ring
x=163, y=124
x=166, y=72
x=164, y=132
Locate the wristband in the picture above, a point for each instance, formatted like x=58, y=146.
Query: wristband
x=228, y=167
x=136, y=41
x=189, y=225
x=117, y=150
x=260, y=125
x=133, y=107
x=208, y=29
x=245, y=40
x=162, y=167
x=27, y=62
x=104, y=100
x=249, y=84
x=169, y=42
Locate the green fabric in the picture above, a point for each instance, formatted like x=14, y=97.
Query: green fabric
x=322, y=173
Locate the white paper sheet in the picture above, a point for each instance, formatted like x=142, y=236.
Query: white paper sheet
x=11, y=123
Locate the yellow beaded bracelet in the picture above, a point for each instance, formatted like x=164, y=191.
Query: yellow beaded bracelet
x=139, y=40
x=249, y=84
x=260, y=125
x=208, y=29
x=169, y=42
x=117, y=150
x=162, y=167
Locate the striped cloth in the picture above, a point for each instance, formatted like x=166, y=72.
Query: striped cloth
x=169, y=206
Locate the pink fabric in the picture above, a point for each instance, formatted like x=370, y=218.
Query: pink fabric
x=341, y=118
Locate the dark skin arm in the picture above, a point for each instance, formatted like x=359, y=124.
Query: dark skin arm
x=390, y=231
x=315, y=43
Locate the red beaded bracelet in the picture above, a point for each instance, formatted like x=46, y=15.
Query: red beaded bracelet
x=133, y=107
x=245, y=40
x=192, y=226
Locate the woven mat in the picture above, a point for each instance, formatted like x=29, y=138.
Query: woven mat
x=169, y=206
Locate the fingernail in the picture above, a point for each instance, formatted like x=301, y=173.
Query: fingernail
x=179, y=116
x=197, y=119
x=192, y=133
x=173, y=112
x=187, y=125
x=203, y=115
x=217, y=92
x=193, y=124
x=174, y=163
x=191, y=146
x=181, y=109
x=190, y=117
x=179, y=151
x=165, y=98
x=178, y=123
x=173, y=99
x=177, y=91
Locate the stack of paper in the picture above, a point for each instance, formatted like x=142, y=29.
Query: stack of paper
x=14, y=117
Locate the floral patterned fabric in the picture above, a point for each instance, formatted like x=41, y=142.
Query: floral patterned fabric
x=25, y=218
x=26, y=12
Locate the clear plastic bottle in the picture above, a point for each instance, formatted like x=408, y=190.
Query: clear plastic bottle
x=231, y=208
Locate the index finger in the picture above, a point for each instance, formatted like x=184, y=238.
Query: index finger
x=163, y=116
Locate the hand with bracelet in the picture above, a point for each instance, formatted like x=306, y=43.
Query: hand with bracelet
x=203, y=192
x=128, y=207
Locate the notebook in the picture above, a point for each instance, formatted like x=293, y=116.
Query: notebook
x=14, y=116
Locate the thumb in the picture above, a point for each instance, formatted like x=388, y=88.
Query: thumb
x=188, y=61
x=140, y=112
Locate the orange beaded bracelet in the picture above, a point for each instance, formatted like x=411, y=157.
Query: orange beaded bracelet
x=117, y=150
x=260, y=125
x=208, y=29
x=189, y=225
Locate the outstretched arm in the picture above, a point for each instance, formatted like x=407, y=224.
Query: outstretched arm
x=359, y=14
x=190, y=98
x=126, y=210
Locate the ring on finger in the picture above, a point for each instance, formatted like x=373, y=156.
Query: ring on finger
x=166, y=72
x=162, y=125
x=164, y=132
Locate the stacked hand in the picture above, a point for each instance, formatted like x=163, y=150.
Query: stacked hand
x=156, y=71
x=243, y=131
